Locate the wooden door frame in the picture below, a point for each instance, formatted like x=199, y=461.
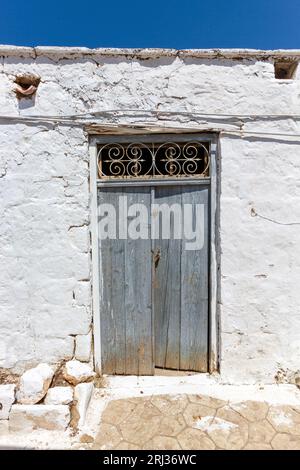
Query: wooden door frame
x=214, y=243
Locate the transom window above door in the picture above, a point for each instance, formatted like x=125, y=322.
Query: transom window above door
x=138, y=159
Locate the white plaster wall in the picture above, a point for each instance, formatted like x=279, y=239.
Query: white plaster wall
x=44, y=204
x=260, y=262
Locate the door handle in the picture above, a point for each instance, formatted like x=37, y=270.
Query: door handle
x=156, y=256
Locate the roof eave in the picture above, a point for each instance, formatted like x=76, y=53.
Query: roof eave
x=79, y=52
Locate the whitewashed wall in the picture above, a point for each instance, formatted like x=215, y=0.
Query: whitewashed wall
x=45, y=273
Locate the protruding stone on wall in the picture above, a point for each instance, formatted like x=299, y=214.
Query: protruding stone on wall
x=83, y=347
x=30, y=417
x=75, y=372
x=7, y=397
x=59, y=396
x=34, y=384
x=82, y=396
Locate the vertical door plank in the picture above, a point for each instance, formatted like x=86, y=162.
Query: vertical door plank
x=112, y=295
x=139, y=358
x=194, y=292
x=167, y=289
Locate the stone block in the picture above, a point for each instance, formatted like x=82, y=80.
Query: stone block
x=7, y=397
x=30, y=417
x=83, y=347
x=82, y=396
x=59, y=396
x=76, y=372
x=34, y=384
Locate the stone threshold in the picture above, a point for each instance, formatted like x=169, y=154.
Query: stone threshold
x=207, y=384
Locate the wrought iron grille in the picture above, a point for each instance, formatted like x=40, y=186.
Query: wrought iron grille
x=153, y=160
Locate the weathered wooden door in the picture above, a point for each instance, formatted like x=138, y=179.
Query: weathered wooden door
x=154, y=291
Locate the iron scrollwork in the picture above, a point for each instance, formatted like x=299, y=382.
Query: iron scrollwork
x=140, y=160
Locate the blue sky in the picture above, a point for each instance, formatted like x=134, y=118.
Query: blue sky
x=263, y=24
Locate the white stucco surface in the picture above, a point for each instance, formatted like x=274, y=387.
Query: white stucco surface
x=45, y=286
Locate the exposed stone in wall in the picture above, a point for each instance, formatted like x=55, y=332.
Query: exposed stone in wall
x=76, y=372
x=25, y=418
x=7, y=397
x=43, y=405
x=59, y=396
x=34, y=384
x=82, y=396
